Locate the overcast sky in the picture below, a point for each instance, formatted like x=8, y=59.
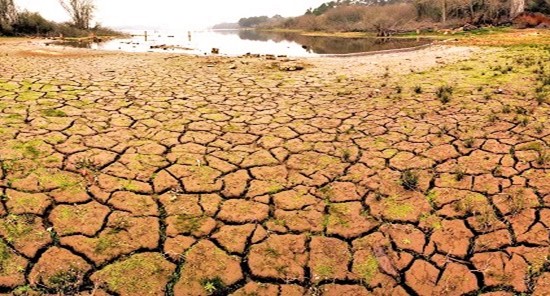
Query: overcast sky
x=174, y=13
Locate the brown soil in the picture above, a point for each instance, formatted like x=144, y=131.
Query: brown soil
x=417, y=173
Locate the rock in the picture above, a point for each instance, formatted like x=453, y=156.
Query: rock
x=469, y=27
x=291, y=67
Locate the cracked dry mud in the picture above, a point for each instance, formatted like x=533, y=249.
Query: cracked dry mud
x=150, y=174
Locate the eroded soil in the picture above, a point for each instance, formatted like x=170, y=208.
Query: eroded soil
x=422, y=173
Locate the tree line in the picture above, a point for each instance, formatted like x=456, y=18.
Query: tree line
x=387, y=16
x=251, y=22
x=14, y=21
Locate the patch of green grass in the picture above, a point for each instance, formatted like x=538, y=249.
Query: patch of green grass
x=53, y=113
x=460, y=173
x=470, y=204
x=431, y=197
x=522, y=120
x=29, y=149
x=66, y=281
x=58, y=179
x=338, y=215
x=432, y=221
x=135, y=275
x=326, y=192
x=213, y=285
x=26, y=291
x=271, y=252
x=274, y=188
x=368, y=269
x=188, y=224
x=324, y=270
x=17, y=226
x=119, y=224
x=395, y=209
x=29, y=96
x=5, y=255
x=105, y=243
x=543, y=157
x=341, y=78
x=541, y=98
x=129, y=185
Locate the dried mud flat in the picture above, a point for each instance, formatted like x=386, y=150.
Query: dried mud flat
x=423, y=173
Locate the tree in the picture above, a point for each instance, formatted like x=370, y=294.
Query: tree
x=81, y=12
x=8, y=15
x=32, y=23
x=444, y=11
x=516, y=8
x=542, y=6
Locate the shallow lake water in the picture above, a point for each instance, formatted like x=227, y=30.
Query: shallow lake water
x=239, y=42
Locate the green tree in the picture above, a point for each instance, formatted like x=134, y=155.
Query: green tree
x=32, y=23
x=542, y=6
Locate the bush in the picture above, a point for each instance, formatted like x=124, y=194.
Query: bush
x=409, y=180
x=386, y=17
x=531, y=20
x=345, y=18
x=32, y=23
x=542, y=6
x=381, y=18
x=444, y=93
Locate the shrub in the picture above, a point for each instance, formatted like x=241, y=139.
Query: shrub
x=531, y=20
x=32, y=23
x=444, y=93
x=409, y=180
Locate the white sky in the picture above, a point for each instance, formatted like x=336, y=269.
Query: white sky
x=174, y=13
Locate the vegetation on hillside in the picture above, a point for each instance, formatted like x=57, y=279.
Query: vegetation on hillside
x=386, y=17
x=24, y=23
x=251, y=22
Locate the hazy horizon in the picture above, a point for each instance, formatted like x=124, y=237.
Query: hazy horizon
x=164, y=14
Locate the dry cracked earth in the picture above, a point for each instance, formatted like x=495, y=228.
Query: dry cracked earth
x=423, y=173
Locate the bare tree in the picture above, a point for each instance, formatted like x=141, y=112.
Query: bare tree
x=81, y=11
x=443, y=11
x=516, y=8
x=8, y=14
x=386, y=19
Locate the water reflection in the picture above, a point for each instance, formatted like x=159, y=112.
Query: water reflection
x=334, y=45
x=238, y=42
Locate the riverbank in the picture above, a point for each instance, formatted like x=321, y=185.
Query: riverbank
x=505, y=35
x=424, y=172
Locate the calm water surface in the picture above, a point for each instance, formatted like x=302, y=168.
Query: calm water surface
x=239, y=42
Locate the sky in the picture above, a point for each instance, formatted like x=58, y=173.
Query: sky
x=173, y=13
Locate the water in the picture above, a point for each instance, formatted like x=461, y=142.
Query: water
x=239, y=42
